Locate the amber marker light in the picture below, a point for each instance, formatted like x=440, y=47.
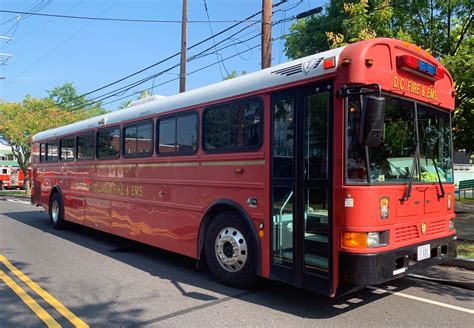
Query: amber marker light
x=346, y=61
x=369, y=62
x=354, y=239
x=261, y=234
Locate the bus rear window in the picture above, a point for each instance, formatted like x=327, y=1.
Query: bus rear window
x=85, y=146
x=52, y=151
x=233, y=127
x=138, y=139
x=67, y=149
x=108, y=143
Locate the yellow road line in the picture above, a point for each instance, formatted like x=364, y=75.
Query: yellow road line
x=32, y=304
x=44, y=294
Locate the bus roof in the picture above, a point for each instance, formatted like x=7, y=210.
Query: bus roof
x=370, y=61
x=296, y=70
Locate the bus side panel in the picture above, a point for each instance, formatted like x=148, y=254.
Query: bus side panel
x=74, y=208
x=97, y=213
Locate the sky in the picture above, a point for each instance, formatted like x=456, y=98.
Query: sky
x=48, y=51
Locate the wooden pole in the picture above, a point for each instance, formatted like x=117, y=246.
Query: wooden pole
x=266, y=33
x=184, y=36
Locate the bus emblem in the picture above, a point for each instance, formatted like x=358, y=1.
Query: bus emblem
x=311, y=64
x=423, y=227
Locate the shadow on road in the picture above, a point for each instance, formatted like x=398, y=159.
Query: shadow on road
x=179, y=270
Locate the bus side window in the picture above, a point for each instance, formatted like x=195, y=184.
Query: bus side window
x=52, y=151
x=85, y=146
x=67, y=149
x=42, y=153
x=138, y=139
x=236, y=126
x=178, y=135
x=108, y=143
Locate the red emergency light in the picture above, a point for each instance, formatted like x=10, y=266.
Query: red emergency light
x=419, y=67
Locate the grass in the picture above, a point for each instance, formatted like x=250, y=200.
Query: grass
x=465, y=249
x=12, y=193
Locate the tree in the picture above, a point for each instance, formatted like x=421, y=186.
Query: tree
x=233, y=75
x=19, y=122
x=443, y=28
x=67, y=98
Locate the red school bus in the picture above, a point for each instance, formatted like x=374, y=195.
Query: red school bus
x=329, y=172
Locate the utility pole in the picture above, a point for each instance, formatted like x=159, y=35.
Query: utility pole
x=184, y=36
x=266, y=33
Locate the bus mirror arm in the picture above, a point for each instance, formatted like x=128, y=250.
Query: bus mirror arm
x=372, y=120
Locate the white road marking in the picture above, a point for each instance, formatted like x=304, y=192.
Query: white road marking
x=379, y=290
x=18, y=201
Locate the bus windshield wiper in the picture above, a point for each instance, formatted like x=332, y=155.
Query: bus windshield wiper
x=407, y=194
x=439, y=179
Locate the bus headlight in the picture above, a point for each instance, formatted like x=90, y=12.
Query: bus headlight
x=365, y=239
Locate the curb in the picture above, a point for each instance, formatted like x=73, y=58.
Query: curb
x=460, y=262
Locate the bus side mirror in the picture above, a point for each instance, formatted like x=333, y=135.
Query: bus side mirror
x=373, y=116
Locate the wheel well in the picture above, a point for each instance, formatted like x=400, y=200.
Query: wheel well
x=55, y=190
x=212, y=212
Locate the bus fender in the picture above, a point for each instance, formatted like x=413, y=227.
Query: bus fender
x=54, y=189
x=222, y=205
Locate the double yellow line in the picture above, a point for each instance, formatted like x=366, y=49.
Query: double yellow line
x=31, y=303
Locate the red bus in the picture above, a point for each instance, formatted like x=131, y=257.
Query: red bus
x=329, y=172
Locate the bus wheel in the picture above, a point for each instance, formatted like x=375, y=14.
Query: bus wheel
x=56, y=212
x=230, y=252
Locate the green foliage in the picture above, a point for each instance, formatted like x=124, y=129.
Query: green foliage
x=19, y=122
x=233, y=75
x=443, y=28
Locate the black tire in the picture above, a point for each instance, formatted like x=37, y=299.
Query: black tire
x=241, y=274
x=1, y=185
x=56, y=212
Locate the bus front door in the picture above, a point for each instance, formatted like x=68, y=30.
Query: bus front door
x=301, y=186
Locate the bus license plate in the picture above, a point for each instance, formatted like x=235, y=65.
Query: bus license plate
x=424, y=252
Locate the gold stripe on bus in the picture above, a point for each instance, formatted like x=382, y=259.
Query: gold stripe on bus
x=232, y=163
x=169, y=164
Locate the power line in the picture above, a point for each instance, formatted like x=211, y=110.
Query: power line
x=60, y=44
x=159, y=62
x=127, y=20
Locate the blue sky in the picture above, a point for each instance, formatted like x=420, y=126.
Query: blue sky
x=50, y=51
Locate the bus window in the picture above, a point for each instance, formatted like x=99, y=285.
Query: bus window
x=52, y=151
x=85, y=146
x=233, y=127
x=108, y=143
x=138, y=140
x=67, y=149
x=178, y=135
x=42, y=153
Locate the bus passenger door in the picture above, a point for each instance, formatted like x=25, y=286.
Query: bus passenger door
x=301, y=175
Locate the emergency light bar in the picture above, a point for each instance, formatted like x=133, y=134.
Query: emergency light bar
x=419, y=67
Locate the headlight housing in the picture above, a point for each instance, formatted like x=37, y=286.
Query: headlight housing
x=365, y=239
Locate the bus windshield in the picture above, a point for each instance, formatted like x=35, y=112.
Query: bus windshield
x=408, y=125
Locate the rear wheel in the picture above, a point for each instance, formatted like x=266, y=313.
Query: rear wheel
x=56, y=212
x=230, y=250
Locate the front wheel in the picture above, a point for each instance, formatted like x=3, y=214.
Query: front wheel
x=56, y=212
x=230, y=251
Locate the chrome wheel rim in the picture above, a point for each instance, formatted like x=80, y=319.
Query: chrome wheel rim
x=231, y=249
x=55, y=211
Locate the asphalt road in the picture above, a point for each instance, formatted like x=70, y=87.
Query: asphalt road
x=83, y=276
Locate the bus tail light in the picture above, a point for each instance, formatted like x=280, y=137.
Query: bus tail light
x=365, y=239
x=451, y=224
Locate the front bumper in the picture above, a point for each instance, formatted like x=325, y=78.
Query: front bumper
x=368, y=269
